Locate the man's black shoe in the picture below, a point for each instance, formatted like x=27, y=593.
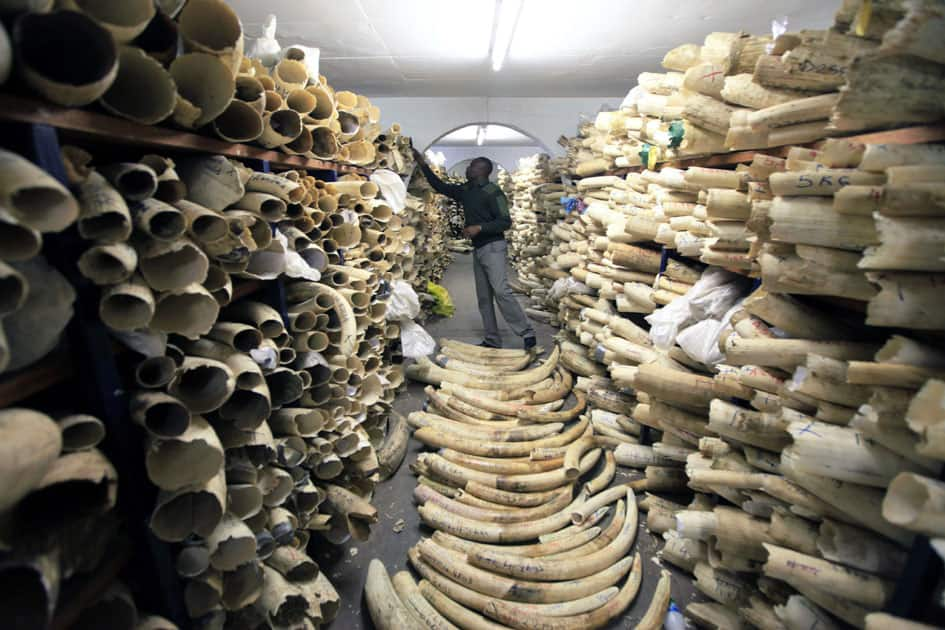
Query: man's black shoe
x=486, y=344
x=530, y=342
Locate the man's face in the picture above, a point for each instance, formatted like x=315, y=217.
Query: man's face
x=475, y=170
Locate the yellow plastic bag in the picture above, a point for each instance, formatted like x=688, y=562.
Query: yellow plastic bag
x=444, y=304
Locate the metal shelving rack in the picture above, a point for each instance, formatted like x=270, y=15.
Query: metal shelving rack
x=88, y=357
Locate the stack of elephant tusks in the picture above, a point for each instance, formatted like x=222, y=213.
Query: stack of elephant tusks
x=527, y=533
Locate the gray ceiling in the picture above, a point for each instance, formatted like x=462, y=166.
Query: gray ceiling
x=560, y=47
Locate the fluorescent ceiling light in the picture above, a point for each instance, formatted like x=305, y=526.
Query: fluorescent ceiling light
x=506, y=19
x=481, y=135
x=496, y=134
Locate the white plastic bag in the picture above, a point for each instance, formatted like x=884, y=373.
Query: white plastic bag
x=265, y=357
x=393, y=189
x=709, y=298
x=416, y=341
x=567, y=286
x=701, y=340
x=266, y=48
x=403, y=304
x=295, y=265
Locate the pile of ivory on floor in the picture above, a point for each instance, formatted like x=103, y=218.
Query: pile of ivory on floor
x=123, y=54
x=876, y=67
x=260, y=429
x=529, y=532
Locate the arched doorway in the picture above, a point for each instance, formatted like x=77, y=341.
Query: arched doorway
x=503, y=144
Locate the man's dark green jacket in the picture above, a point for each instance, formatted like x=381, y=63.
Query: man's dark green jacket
x=484, y=204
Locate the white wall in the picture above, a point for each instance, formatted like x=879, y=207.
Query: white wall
x=427, y=118
x=506, y=156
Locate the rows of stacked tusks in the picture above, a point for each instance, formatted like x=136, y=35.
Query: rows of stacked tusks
x=452, y=210
x=260, y=430
x=534, y=204
x=876, y=67
x=123, y=54
x=46, y=464
x=431, y=255
x=529, y=532
x=815, y=442
x=394, y=151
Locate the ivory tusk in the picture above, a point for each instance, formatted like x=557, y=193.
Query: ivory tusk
x=508, y=613
x=203, y=385
x=507, y=497
x=434, y=437
x=80, y=432
x=859, y=549
x=456, y=613
x=419, y=419
x=143, y=91
x=545, y=569
x=504, y=466
x=424, y=494
x=479, y=601
x=800, y=612
x=419, y=607
x=211, y=26
x=817, y=445
x=515, y=483
x=885, y=621
x=821, y=574
x=191, y=458
x=31, y=444
x=358, y=513
x=492, y=533
x=385, y=607
x=426, y=371
x=205, y=88
x=659, y=604
x=162, y=415
x=88, y=50
x=391, y=454
x=536, y=550
x=32, y=197
x=916, y=503
x=487, y=583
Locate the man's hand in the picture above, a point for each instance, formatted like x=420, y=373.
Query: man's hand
x=472, y=231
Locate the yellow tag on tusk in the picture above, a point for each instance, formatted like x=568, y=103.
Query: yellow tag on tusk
x=862, y=22
x=651, y=157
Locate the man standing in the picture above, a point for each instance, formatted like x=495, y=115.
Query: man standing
x=487, y=218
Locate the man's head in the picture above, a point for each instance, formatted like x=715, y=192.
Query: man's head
x=479, y=168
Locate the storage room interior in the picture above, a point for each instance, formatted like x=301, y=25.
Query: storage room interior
x=439, y=314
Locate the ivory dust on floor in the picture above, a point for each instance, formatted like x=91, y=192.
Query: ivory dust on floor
x=399, y=526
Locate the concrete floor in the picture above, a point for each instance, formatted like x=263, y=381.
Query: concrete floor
x=346, y=565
